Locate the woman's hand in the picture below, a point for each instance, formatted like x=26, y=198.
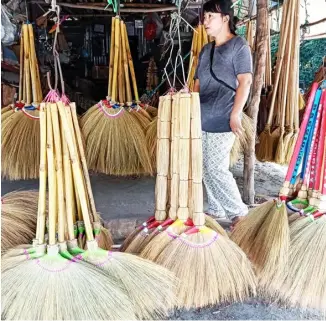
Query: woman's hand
x=235, y=123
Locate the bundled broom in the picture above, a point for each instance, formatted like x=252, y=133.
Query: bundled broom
x=114, y=129
x=59, y=282
x=20, y=128
x=192, y=250
x=264, y=233
x=279, y=136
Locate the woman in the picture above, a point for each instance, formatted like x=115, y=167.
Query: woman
x=223, y=79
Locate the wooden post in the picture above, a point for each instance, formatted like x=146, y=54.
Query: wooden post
x=261, y=50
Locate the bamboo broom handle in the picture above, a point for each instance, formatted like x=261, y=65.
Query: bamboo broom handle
x=69, y=189
x=174, y=166
x=287, y=63
x=116, y=59
x=278, y=68
x=197, y=161
x=41, y=217
x=192, y=53
x=123, y=87
x=78, y=177
x=33, y=63
x=205, y=37
x=83, y=161
x=120, y=73
x=199, y=39
x=131, y=64
x=296, y=66
x=59, y=173
x=125, y=64
x=27, y=66
x=52, y=179
x=21, y=67
x=111, y=56
x=184, y=143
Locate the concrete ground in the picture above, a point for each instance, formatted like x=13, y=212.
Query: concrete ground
x=126, y=202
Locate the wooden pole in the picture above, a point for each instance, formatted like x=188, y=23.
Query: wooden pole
x=261, y=50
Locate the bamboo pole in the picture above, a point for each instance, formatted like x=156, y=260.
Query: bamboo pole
x=125, y=63
x=112, y=39
x=21, y=68
x=116, y=58
x=27, y=65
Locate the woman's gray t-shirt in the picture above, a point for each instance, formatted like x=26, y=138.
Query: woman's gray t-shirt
x=216, y=100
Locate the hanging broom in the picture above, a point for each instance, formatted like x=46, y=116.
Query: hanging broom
x=114, y=139
x=198, y=257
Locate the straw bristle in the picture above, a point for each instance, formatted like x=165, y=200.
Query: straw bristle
x=235, y=151
x=304, y=283
x=246, y=230
x=142, y=117
x=20, y=147
x=18, y=218
x=298, y=225
x=150, y=286
x=51, y=282
x=211, y=223
x=290, y=148
x=151, y=140
x=130, y=238
x=151, y=110
x=211, y=271
x=115, y=146
x=263, y=151
x=104, y=240
x=280, y=149
x=270, y=249
x=135, y=245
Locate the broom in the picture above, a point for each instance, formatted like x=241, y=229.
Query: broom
x=198, y=256
x=114, y=140
x=51, y=279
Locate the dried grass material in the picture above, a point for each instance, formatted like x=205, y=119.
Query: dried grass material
x=263, y=150
x=50, y=282
x=280, y=152
x=104, y=239
x=152, y=111
x=20, y=147
x=235, y=151
x=304, y=283
x=154, y=248
x=293, y=217
x=151, y=141
x=142, y=117
x=115, y=146
x=270, y=249
x=18, y=218
x=131, y=237
x=211, y=223
x=291, y=145
x=246, y=230
x=211, y=269
x=299, y=224
x=150, y=286
x=136, y=243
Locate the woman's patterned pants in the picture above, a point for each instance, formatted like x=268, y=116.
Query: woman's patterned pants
x=224, y=198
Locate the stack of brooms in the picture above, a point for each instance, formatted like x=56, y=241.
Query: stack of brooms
x=19, y=126
x=211, y=268
x=289, y=261
x=278, y=139
x=200, y=39
x=63, y=281
x=114, y=129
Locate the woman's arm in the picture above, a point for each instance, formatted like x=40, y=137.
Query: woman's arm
x=196, y=86
x=240, y=100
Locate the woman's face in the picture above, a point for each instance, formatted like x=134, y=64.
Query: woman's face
x=214, y=23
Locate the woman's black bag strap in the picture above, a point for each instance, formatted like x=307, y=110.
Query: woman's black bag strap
x=212, y=72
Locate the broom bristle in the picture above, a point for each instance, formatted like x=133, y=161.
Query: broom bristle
x=202, y=262
x=263, y=150
x=235, y=151
x=151, y=110
x=142, y=117
x=270, y=249
x=20, y=147
x=151, y=140
x=280, y=150
x=19, y=217
x=211, y=223
x=290, y=149
x=50, y=282
x=115, y=146
x=293, y=217
x=104, y=240
x=136, y=243
x=150, y=286
x=246, y=230
x=130, y=238
x=304, y=283
x=298, y=225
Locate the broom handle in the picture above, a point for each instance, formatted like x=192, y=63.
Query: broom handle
x=323, y=189
x=33, y=64
x=278, y=70
x=321, y=146
x=52, y=179
x=59, y=172
x=205, y=38
x=41, y=212
x=116, y=59
x=78, y=176
x=302, y=132
x=131, y=64
x=69, y=189
x=27, y=65
x=21, y=67
x=125, y=63
x=111, y=56
x=83, y=162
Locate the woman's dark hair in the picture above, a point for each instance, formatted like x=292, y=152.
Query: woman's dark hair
x=225, y=8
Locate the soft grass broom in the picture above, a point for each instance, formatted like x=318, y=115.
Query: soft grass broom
x=50, y=279
x=211, y=268
x=114, y=139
